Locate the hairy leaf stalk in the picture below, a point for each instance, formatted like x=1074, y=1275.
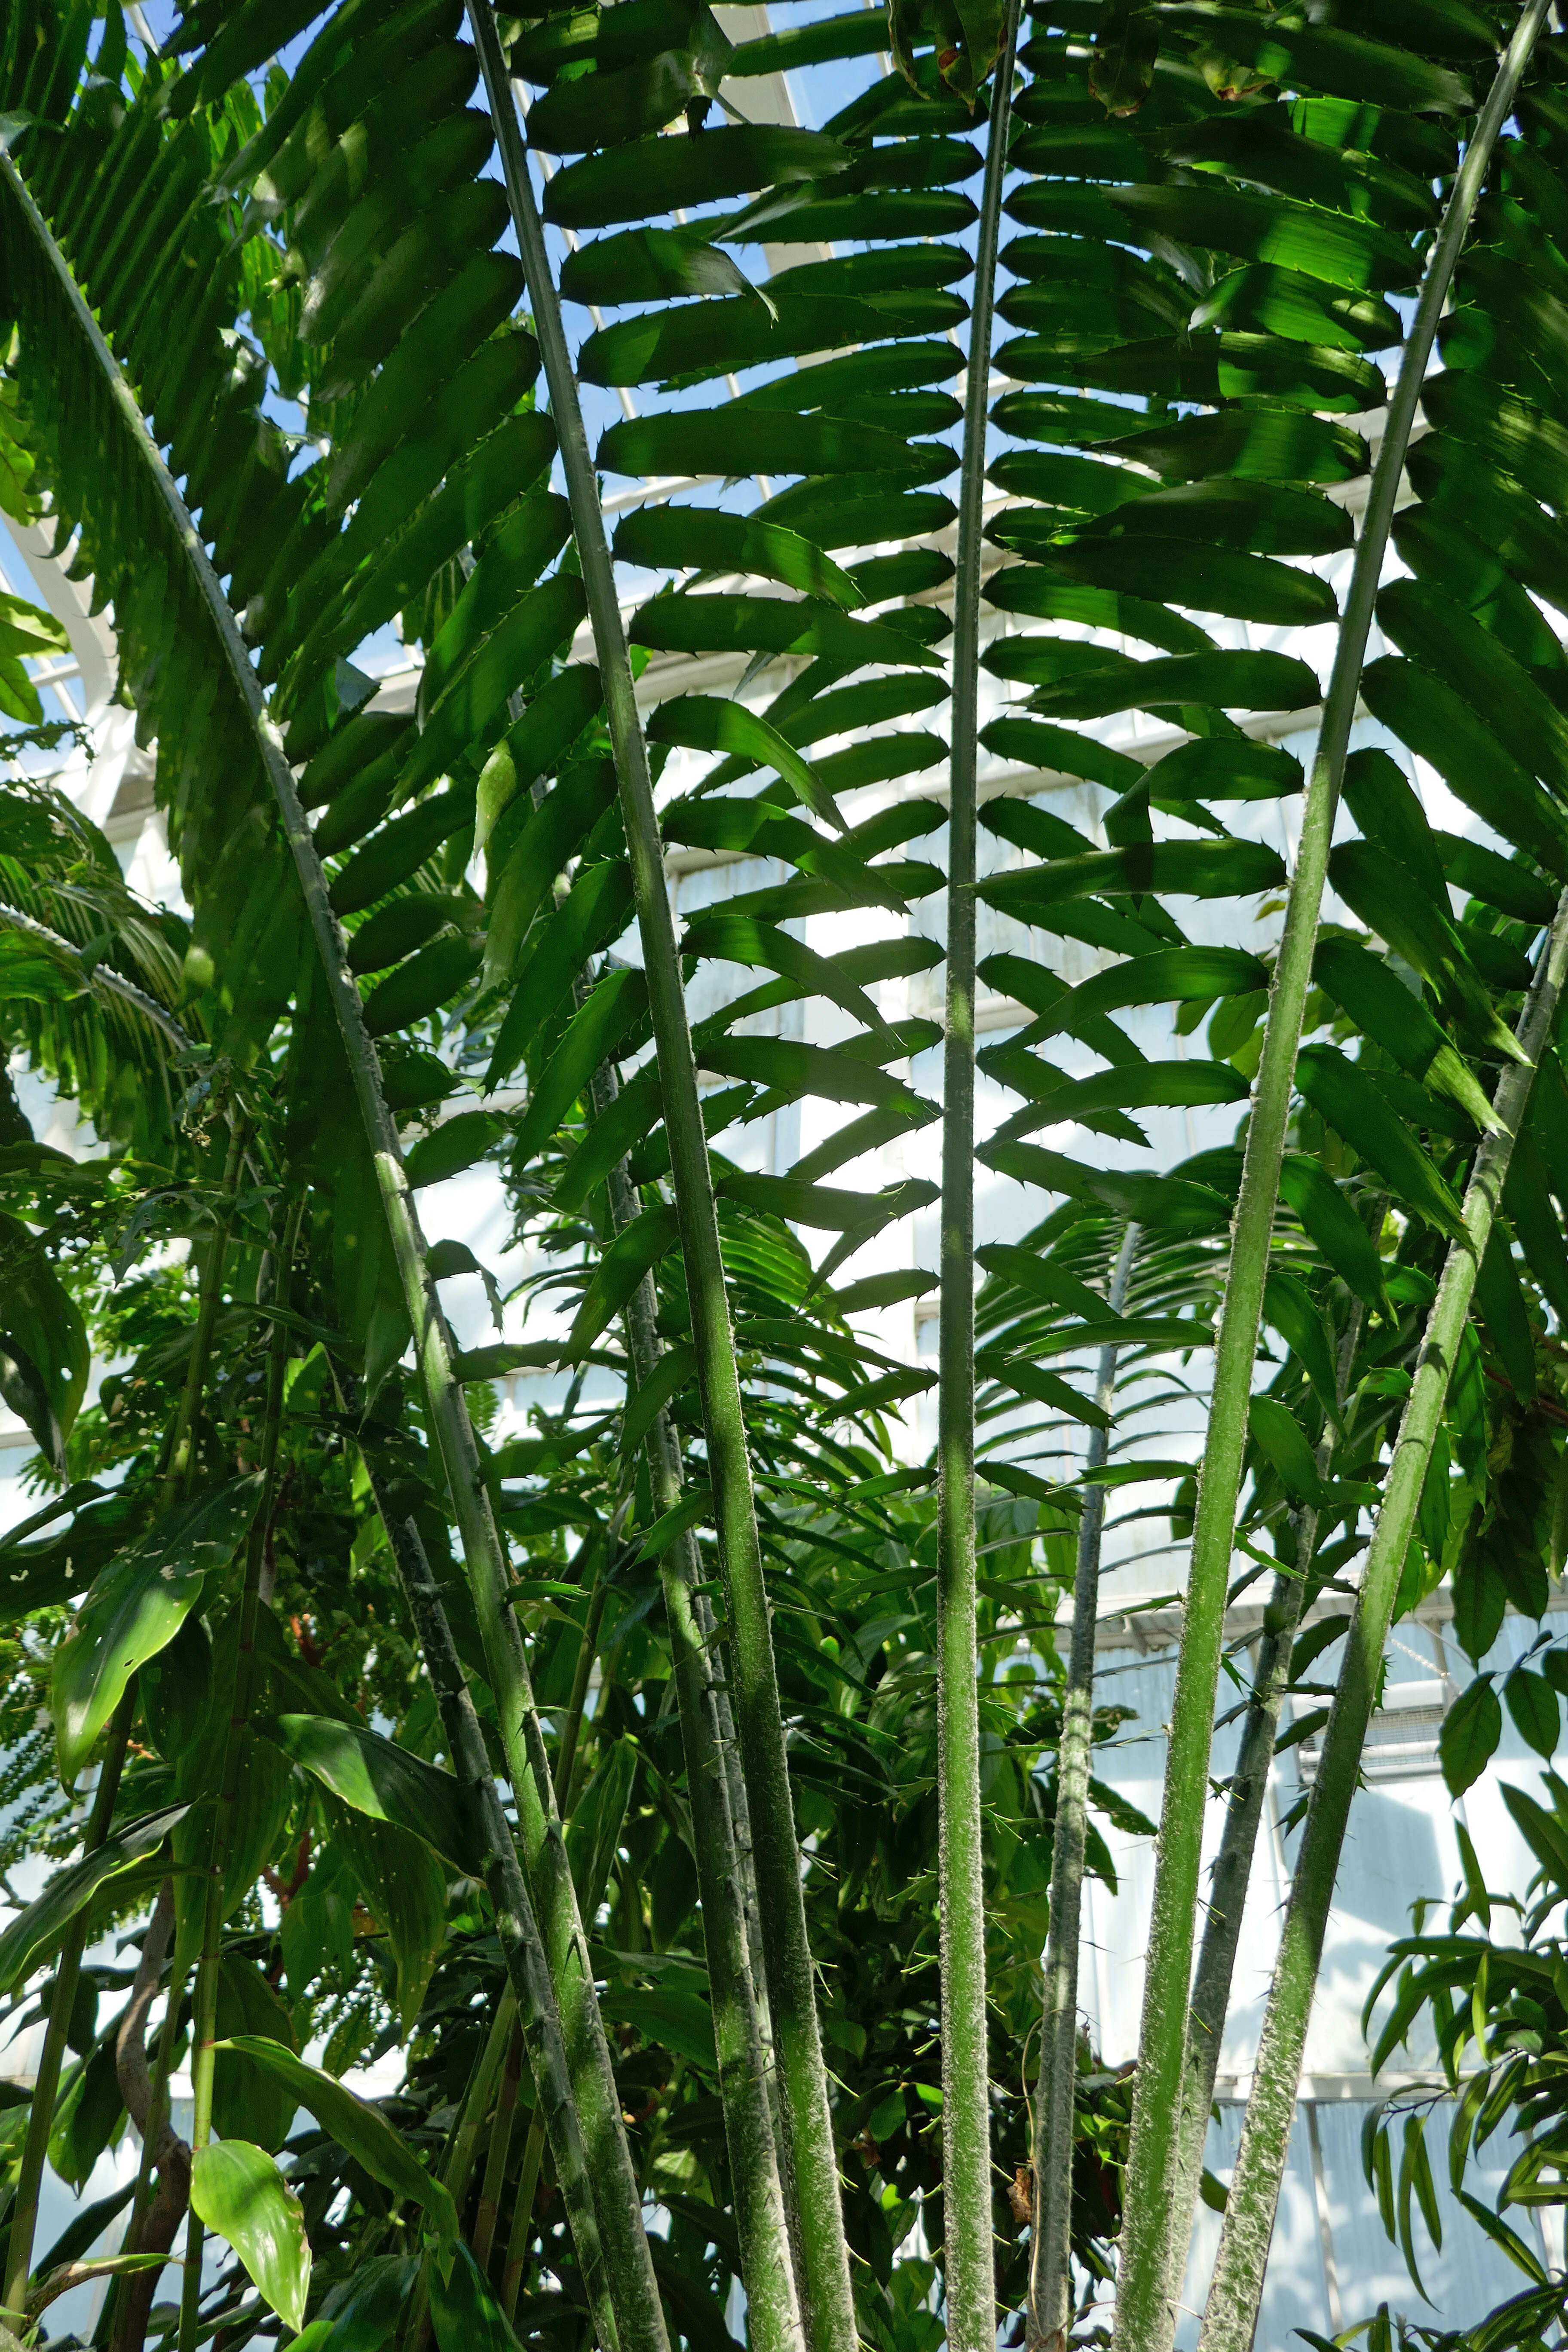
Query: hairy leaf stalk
x=528, y=1973
x=1231, y=2318
x=203, y=2031
x=1232, y=1869
x=1145, y=2313
x=967, y=2226
x=1050, y=2273
x=812, y=2166
x=767, y=2259
x=614, y=2181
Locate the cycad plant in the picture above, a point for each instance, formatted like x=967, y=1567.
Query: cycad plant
x=295, y=352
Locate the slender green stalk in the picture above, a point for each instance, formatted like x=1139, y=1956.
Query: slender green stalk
x=1145, y=2316
x=46, y=2089
x=768, y=2257
x=528, y=1972
x=180, y=1462
x=811, y=2169
x=1233, y=1864
x=236, y=1749
x=614, y=2181
x=522, y=2219
x=1050, y=2274
x=498, y=2150
x=1231, y=2317
x=969, y=2266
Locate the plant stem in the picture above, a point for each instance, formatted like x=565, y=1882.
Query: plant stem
x=40, y=2123
x=180, y=1464
x=813, y=2166
x=528, y=1972
x=969, y=2261
x=498, y=2150
x=628, y=2263
x=1145, y=2314
x=1233, y=1864
x=1050, y=2273
x=1231, y=2318
x=768, y=2255
x=522, y=2218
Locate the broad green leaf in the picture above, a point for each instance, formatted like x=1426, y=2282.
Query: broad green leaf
x=136, y=1607
x=1143, y=1085
x=1381, y=1004
x=1173, y=976
x=463, y=2310
x=1029, y=1380
x=1379, y=889
x=404, y=1887
x=1195, y=869
x=736, y=939
x=790, y=1068
x=1271, y=230
x=89, y=2117
x=523, y=870
x=554, y=718
x=1333, y=1225
x=1281, y=1439
x=456, y=1144
x=620, y=1269
x=1167, y=1201
x=362, y=2312
x=1434, y=720
x=1323, y=58
x=359, y=2128
x=246, y=2102
x=1546, y=1834
x=1225, y=681
x=702, y=539
x=1287, y=1305
x=1532, y=1703
x=240, y=2194
x=666, y=175
x=1345, y=1096
x=1214, y=580
x=725, y=624
x=706, y=723
x=1471, y=1729
x=595, y=911
x=1501, y=1301
x=376, y=1777
x=599, y=1025
x=43, y=1351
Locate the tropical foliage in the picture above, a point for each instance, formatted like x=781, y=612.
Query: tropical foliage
x=690, y=1786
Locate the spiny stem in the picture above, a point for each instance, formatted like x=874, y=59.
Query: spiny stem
x=967, y=2228
x=813, y=2168
x=1050, y=2273
x=1231, y=2317
x=1243, y=1813
x=1145, y=2311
